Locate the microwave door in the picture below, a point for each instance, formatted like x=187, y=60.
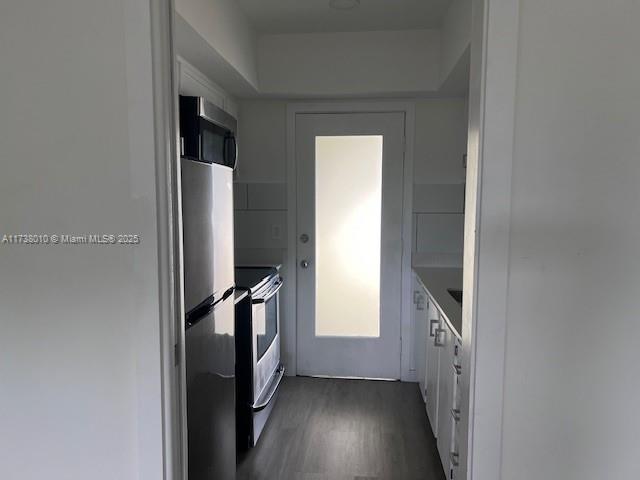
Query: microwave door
x=198, y=232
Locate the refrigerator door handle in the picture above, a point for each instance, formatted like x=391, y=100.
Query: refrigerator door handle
x=200, y=311
x=204, y=308
x=226, y=295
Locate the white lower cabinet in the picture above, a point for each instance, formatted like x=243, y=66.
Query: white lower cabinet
x=438, y=353
x=444, y=340
x=456, y=412
x=420, y=336
x=432, y=366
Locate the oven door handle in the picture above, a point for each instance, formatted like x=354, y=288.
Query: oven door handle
x=269, y=294
x=273, y=388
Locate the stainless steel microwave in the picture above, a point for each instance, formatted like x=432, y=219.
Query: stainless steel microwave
x=207, y=133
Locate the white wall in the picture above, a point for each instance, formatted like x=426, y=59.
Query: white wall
x=224, y=26
x=79, y=348
x=440, y=141
x=570, y=386
x=349, y=64
x=456, y=36
x=194, y=83
x=262, y=131
x=217, y=37
x=439, y=176
x=260, y=189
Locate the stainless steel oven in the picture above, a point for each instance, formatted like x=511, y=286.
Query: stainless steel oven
x=259, y=371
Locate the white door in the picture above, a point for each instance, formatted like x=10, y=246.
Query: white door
x=349, y=250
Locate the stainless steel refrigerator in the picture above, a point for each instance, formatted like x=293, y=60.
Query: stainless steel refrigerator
x=207, y=217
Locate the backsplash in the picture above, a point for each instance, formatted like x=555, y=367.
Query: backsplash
x=438, y=223
x=261, y=215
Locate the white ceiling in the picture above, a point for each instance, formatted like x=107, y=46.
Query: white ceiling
x=306, y=16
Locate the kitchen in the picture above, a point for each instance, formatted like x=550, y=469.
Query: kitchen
x=427, y=243
x=293, y=311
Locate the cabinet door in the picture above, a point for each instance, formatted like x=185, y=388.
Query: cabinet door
x=455, y=443
x=420, y=346
x=432, y=366
x=444, y=340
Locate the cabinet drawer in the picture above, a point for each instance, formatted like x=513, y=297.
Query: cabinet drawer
x=453, y=471
x=455, y=454
x=456, y=368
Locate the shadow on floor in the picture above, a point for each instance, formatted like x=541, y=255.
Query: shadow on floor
x=330, y=429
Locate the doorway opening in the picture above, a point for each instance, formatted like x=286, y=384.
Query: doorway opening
x=366, y=322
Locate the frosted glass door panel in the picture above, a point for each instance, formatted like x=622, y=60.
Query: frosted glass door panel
x=348, y=234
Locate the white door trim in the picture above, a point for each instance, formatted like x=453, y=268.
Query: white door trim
x=492, y=103
x=290, y=321
x=165, y=101
x=494, y=70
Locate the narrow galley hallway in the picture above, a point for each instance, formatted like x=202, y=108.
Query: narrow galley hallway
x=333, y=429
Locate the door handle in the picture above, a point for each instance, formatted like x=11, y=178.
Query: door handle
x=304, y=263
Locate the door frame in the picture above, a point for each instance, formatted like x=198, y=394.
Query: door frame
x=289, y=342
x=169, y=237
x=494, y=47
x=492, y=102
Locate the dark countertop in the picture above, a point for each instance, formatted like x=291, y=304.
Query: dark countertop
x=436, y=281
x=239, y=295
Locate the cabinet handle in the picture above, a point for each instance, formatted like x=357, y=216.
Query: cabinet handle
x=431, y=324
x=419, y=300
x=455, y=413
x=436, y=340
x=454, y=456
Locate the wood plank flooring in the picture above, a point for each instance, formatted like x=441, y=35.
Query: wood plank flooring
x=329, y=429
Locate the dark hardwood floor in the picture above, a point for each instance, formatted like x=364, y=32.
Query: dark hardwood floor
x=329, y=429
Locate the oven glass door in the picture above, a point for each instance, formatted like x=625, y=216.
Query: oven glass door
x=267, y=327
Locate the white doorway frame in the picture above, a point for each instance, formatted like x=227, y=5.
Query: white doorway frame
x=494, y=45
x=169, y=239
x=492, y=104
x=290, y=321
